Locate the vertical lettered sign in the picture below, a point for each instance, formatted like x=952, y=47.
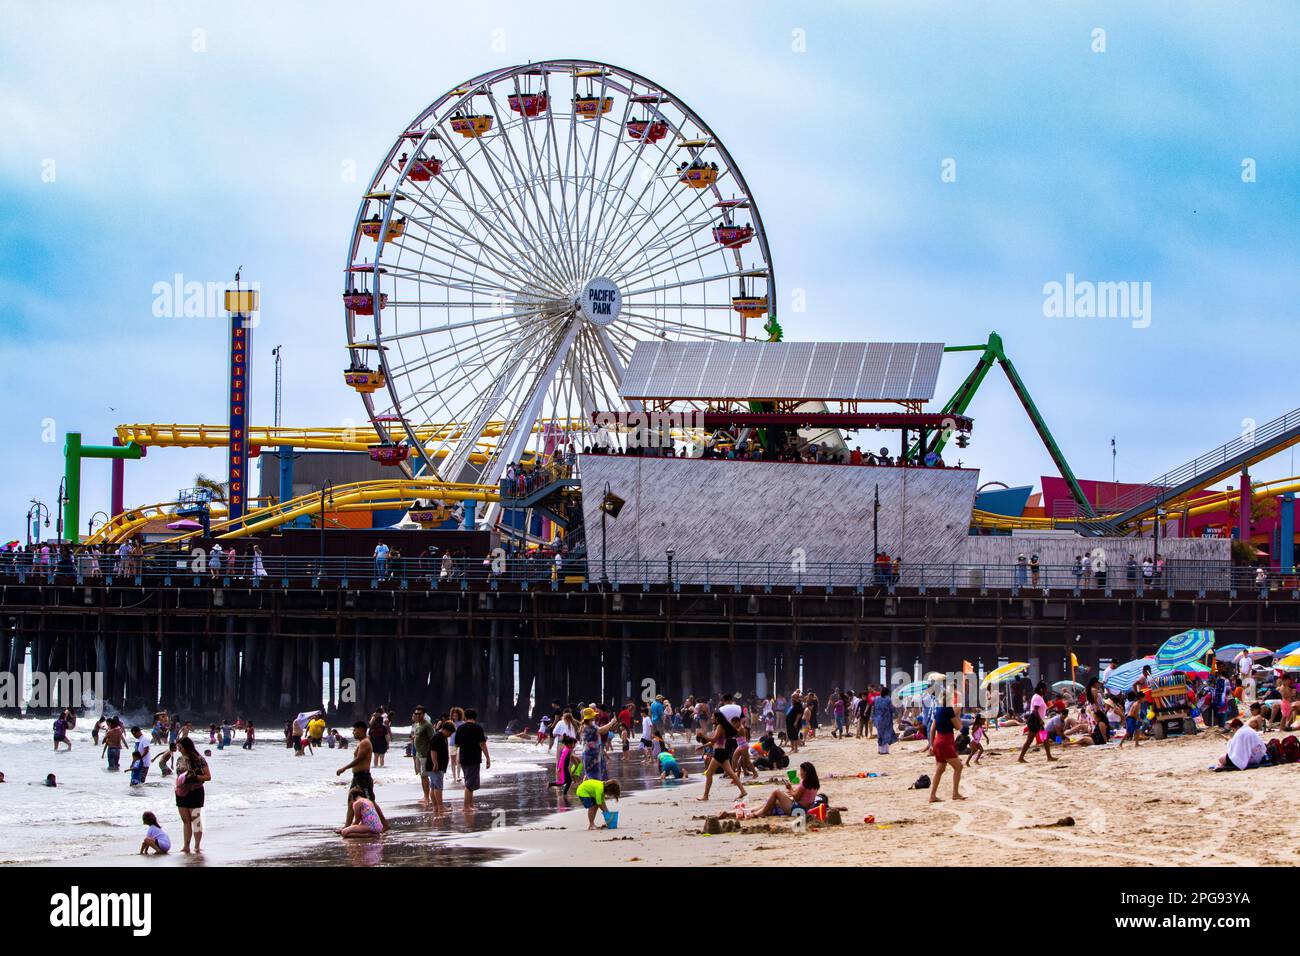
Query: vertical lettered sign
x=241, y=305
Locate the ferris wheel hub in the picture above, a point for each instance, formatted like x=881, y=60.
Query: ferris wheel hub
x=600, y=301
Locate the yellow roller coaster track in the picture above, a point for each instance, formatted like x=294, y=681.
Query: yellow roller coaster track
x=325, y=439
x=376, y=495
x=1174, y=510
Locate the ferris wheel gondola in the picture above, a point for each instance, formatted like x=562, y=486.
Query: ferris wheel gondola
x=507, y=287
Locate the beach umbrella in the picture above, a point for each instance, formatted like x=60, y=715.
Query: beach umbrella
x=1005, y=672
x=1189, y=647
x=185, y=524
x=914, y=689
x=1122, y=678
x=1292, y=648
x=1291, y=663
x=1229, y=652
x=936, y=675
x=1063, y=685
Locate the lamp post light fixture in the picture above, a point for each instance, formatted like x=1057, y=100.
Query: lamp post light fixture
x=669, y=552
x=34, y=514
x=62, y=499
x=90, y=525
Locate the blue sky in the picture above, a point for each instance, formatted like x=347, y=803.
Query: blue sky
x=1123, y=165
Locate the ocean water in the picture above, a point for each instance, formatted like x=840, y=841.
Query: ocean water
x=264, y=806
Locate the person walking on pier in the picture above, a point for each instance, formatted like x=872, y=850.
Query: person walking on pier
x=381, y=561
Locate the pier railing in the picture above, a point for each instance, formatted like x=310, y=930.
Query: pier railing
x=191, y=570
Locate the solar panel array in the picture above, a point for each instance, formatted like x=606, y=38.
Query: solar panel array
x=783, y=371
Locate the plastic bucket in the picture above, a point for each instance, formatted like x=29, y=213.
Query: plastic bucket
x=611, y=819
x=793, y=775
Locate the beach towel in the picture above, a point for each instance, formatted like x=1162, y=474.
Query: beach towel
x=1245, y=749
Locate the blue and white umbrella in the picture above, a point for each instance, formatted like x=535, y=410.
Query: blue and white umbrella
x=1189, y=647
x=1122, y=678
x=1292, y=648
x=1229, y=652
x=914, y=689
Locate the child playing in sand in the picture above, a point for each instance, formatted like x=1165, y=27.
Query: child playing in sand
x=1132, y=728
x=593, y=793
x=155, y=837
x=978, y=731
x=365, y=813
x=669, y=767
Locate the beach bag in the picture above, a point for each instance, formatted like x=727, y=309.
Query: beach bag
x=183, y=786
x=922, y=782
x=1291, y=748
x=1273, y=753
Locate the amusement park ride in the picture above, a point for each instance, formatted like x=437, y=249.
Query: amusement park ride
x=517, y=242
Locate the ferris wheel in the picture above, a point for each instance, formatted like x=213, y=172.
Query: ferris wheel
x=517, y=240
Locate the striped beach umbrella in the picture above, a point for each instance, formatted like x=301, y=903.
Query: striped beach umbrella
x=1290, y=663
x=1292, y=648
x=1229, y=652
x=1061, y=686
x=1189, y=647
x=1005, y=672
x=1122, y=678
x=914, y=689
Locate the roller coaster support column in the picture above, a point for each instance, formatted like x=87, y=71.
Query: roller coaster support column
x=73, y=452
x=1286, y=547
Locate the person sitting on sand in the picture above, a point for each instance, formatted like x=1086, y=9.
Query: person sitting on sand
x=155, y=838
x=783, y=802
x=366, y=814
x=593, y=793
x=1245, y=749
x=770, y=756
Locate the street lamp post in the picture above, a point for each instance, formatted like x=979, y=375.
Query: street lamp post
x=328, y=486
x=669, y=552
x=90, y=525
x=63, y=497
x=35, y=511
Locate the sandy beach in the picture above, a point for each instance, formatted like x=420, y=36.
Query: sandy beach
x=1157, y=804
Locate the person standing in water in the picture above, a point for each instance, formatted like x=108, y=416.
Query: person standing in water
x=189, y=794
x=139, y=757
x=113, y=738
x=361, y=779
x=471, y=743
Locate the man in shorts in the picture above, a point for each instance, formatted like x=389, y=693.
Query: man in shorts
x=360, y=767
x=439, y=758
x=422, y=733
x=472, y=748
